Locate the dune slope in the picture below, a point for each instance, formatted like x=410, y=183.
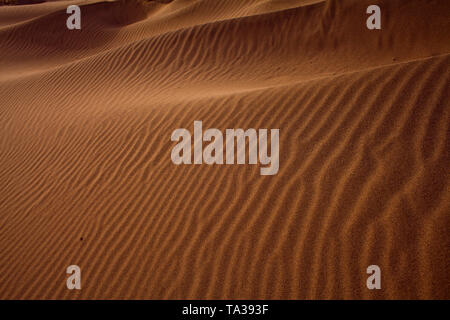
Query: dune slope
x=86, y=176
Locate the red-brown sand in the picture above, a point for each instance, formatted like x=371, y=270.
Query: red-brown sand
x=86, y=176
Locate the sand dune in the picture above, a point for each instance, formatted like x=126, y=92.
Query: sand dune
x=85, y=171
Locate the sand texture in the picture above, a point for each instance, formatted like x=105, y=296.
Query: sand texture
x=86, y=175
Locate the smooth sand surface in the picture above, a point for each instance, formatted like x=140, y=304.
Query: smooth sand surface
x=86, y=176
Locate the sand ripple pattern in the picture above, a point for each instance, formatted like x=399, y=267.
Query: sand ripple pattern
x=364, y=152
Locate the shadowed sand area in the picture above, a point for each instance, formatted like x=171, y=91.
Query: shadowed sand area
x=86, y=176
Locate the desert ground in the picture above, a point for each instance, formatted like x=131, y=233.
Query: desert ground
x=86, y=176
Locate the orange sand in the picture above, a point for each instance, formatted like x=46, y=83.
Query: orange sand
x=85, y=124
